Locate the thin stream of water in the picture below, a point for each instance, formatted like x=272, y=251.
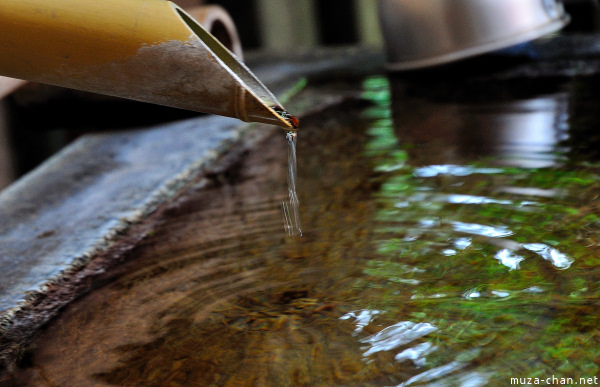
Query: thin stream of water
x=291, y=207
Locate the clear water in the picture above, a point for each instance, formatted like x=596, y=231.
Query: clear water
x=291, y=207
x=447, y=241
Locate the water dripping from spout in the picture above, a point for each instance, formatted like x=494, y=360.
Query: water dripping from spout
x=291, y=207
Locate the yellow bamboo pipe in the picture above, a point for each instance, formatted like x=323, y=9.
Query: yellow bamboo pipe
x=146, y=50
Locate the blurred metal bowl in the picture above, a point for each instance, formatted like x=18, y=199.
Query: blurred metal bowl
x=422, y=33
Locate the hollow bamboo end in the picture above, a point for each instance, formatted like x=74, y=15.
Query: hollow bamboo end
x=253, y=102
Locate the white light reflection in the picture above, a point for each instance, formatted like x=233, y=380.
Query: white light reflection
x=526, y=203
x=500, y=293
x=483, y=230
x=533, y=191
x=396, y=335
x=428, y=223
x=434, y=373
x=462, y=243
x=470, y=294
x=408, y=281
x=534, y=289
x=509, y=259
x=464, y=379
x=416, y=354
x=558, y=259
x=452, y=170
x=470, y=199
x=362, y=317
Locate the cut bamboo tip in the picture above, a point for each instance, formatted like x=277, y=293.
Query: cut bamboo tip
x=146, y=50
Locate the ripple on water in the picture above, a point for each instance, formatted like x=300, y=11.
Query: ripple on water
x=558, y=259
x=509, y=259
x=453, y=170
x=362, y=318
x=408, y=273
x=396, y=335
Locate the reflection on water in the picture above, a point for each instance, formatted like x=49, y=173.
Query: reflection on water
x=558, y=259
x=362, y=318
x=445, y=243
x=452, y=170
x=416, y=354
x=508, y=258
x=512, y=314
x=395, y=336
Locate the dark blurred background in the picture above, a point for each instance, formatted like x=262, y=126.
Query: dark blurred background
x=280, y=24
x=38, y=120
x=264, y=24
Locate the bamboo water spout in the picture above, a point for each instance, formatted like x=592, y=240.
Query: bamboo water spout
x=145, y=50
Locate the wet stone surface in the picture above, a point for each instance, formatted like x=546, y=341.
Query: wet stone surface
x=450, y=237
x=70, y=220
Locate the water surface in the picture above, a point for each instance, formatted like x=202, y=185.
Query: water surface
x=448, y=241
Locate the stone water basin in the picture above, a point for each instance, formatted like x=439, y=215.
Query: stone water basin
x=450, y=237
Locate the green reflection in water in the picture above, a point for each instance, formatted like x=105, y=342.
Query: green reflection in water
x=409, y=272
x=502, y=261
